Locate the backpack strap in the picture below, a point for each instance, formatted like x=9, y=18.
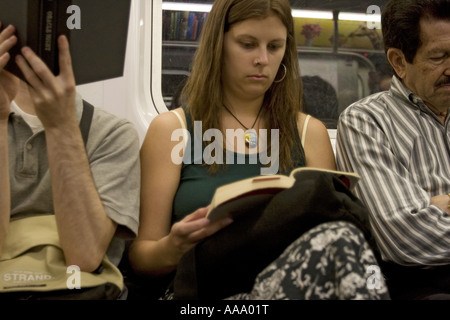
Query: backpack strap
x=86, y=119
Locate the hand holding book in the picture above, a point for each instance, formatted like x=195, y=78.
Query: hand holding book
x=97, y=32
x=235, y=197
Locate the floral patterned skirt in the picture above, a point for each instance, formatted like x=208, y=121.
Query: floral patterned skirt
x=330, y=261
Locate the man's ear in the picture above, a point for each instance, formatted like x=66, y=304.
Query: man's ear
x=397, y=60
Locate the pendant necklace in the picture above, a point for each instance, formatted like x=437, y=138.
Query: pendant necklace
x=250, y=136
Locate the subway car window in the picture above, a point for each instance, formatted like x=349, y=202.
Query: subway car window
x=340, y=51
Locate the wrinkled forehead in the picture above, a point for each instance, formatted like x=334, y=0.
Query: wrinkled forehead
x=434, y=31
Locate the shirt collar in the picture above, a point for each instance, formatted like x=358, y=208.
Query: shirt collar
x=33, y=121
x=399, y=89
x=14, y=108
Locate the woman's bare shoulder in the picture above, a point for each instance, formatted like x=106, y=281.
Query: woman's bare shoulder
x=166, y=122
x=162, y=127
x=314, y=125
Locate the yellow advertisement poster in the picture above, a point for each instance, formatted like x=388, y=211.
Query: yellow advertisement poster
x=313, y=32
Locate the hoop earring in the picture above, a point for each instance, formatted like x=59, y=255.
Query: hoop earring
x=284, y=76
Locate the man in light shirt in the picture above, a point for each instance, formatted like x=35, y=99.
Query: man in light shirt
x=45, y=167
x=398, y=141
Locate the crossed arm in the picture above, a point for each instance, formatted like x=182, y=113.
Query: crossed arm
x=411, y=226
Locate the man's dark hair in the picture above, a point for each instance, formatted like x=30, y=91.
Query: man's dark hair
x=400, y=23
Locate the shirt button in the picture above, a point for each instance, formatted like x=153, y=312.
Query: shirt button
x=29, y=146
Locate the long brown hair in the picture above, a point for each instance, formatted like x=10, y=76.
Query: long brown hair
x=203, y=90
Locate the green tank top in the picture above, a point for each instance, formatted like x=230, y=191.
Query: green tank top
x=197, y=185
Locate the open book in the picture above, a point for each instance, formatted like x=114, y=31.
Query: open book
x=258, y=191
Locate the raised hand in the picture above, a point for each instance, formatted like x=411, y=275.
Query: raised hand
x=53, y=96
x=8, y=83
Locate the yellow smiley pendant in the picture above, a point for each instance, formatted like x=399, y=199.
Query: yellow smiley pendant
x=251, y=138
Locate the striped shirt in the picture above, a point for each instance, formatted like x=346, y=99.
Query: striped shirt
x=402, y=152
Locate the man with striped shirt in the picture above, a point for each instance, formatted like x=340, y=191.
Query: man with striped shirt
x=398, y=141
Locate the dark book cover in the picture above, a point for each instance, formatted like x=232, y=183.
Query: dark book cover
x=97, y=31
x=24, y=15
